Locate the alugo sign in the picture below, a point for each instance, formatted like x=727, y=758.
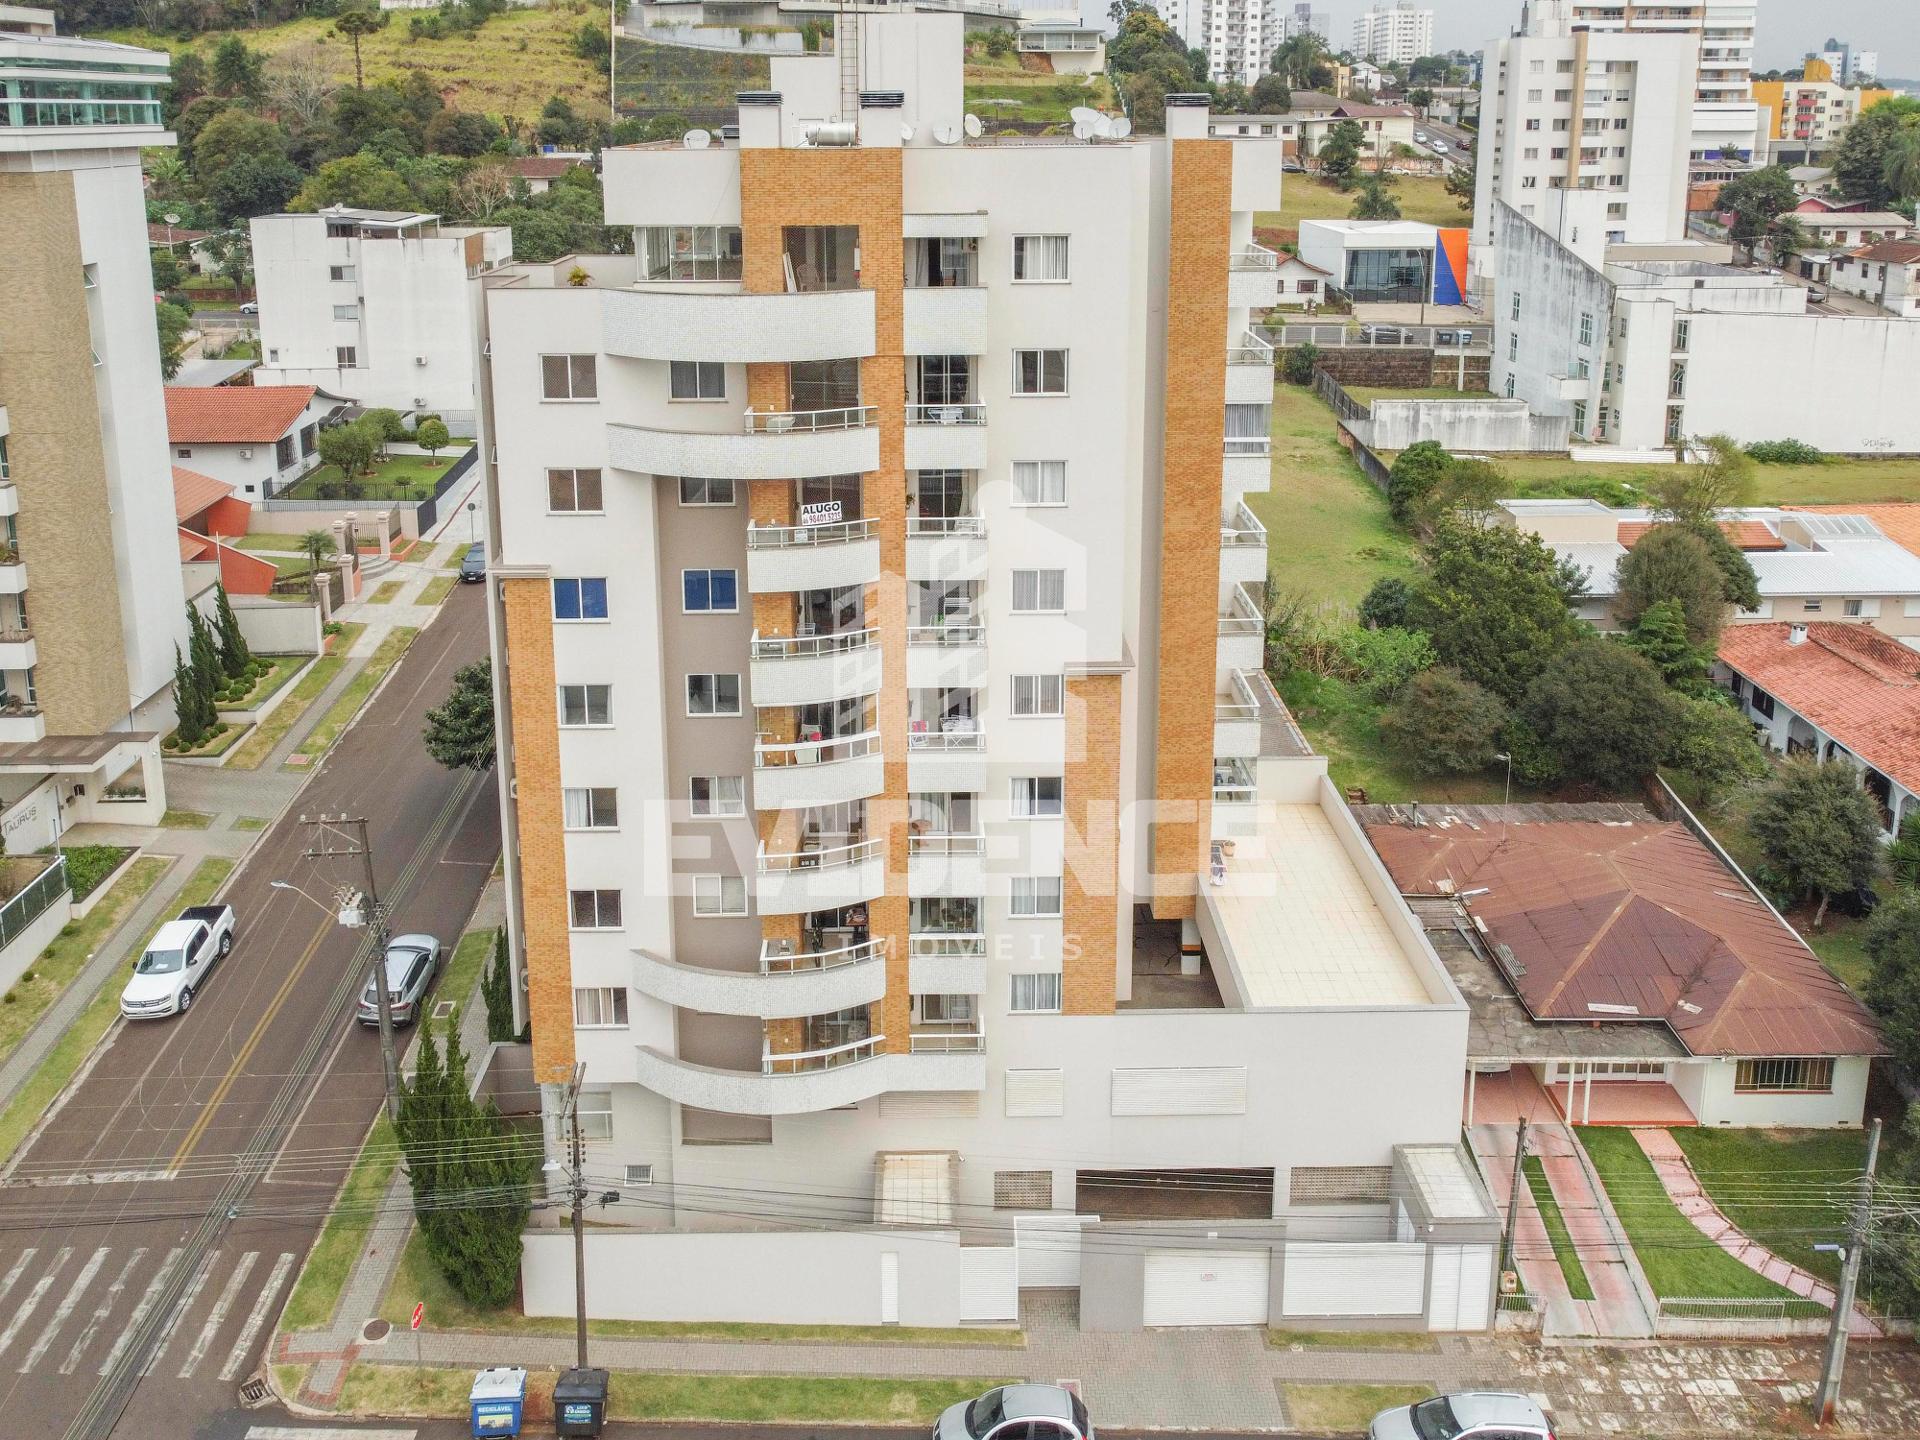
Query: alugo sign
x=820, y=512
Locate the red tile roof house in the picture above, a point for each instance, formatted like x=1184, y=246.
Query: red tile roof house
x=540, y=171
x=1617, y=961
x=1837, y=692
x=207, y=509
x=257, y=438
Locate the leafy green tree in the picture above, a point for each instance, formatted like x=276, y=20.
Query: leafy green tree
x=238, y=70
x=254, y=185
x=168, y=273
x=459, y=730
x=1695, y=494
x=1713, y=746
x=235, y=657
x=1416, y=471
x=1819, y=830
x=356, y=23
x=1867, y=148
x=385, y=427
x=1495, y=602
x=1892, y=990
x=1387, y=602
x=497, y=991
x=232, y=134
x=188, y=727
x=195, y=117
x=1604, y=712
x=1660, y=635
x=1303, y=60
x=1903, y=855
x=1297, y=366
x=1444, y=724
x=349, y=448
x=1469, y=491
x=1459, y=182
x=1671, y=562
x=460, y=132
x=1752, y=200
x=1340, y=153
x=186, y=83
x=1270, y=95
x=171, y=322
x=1373, y=199
x=431, y=435
x=357, y=181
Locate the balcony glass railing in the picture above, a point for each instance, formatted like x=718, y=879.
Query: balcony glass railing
x=1254, y=257
x=804, y=1062
x=951, y=632
x=1238, y=703
x=831, y=857
x=1245, y=529
x=962, y=943
x=974, y=737
x=815, y=752
x=788, y=537
x=795, y=647
x=965, y=413
x=946, y=525
x=1243, y=616
x=944, y=843
x=1250, y=349
x=777, y=957
x=785, y=422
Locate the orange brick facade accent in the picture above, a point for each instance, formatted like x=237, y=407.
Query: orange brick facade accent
x=859, y=187
x=1192, y=463
x=1090, y=891
x=528, y=614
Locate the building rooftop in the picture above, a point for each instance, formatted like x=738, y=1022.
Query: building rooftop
x=1890, y=252
x=194, y=492
x=1854, y=220
x=1408, y=229
x=1300, y=924
x=199, y=374
x=1861, y=687
x=1899, y=521
x=234, y=414
x=1603, y=921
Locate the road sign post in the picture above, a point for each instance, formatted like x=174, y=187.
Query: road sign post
x=419, y=1314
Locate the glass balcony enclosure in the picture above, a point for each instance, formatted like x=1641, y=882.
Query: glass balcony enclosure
x=824, y=384
x=688, y=252
x=937, y=262
x=821, y=257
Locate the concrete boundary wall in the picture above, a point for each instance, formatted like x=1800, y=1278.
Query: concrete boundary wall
x=1470, y=426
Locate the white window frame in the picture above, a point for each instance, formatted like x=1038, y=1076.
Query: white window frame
x=711, y=894
x=1028, y=801
x=710, y=572
x=570, y=398
x=726, y=796
x=573, y=474
x=1018, y=258
x=703, y=370
x=600, y=921
x=1037, y=897
x=594, y=1107
x=586, y=707
x=1036, y=987
x=606, y=1003
x=1029, y=697
x=1040, y=584
x=709, y=482
x=567, y=803
x=638, y=1177
x=1041, y=350
x=715, y=676
x=1039, y=484
x=346, y=312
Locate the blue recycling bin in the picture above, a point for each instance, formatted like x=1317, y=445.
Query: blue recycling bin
x=498, y=1397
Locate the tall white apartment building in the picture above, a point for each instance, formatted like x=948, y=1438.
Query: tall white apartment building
x=1305, y=19
x=92, y=601
x=908, y=860
x=1239, y=36
x=1567, y=106
x=1393, y=34
x=374, y=306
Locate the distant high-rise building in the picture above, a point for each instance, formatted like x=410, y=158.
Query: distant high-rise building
x=1850, y=66
x=1307, y=19
x=1239, y=36
x=1393, y=33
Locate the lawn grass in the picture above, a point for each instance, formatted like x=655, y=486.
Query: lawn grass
x=1564, y=1252
x=316, y=1290
x=1417, y=1341
x=1338, y=537
x=1420, y=197
x=280, y=670
x=385, y=592
x=1678, y=1260
x=1788, y=1189
x=185, y=820
x=272, y=730
x=1027, y=98
x=456, y=554
x=1323, y=1407
x=222, y=738
x=1367, y=394
x=320, y=739
x=62, y=960
x=398, y=477
x=269, y=540
x=510, y=66
x=88, y=865
x=749, y=1399
x=76, y=1043
x=1842, y=482
x=249, y=822
x=289, y=567
x=436, y=589
x=463, y=969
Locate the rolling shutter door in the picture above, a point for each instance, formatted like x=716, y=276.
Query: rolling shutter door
x=1049, y=1247
x=1462, y=1287
x=1206, y=1287
x=989, y=1288
x=1375, y=1279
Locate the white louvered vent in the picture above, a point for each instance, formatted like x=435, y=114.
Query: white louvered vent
x=1035, y=1092
x=930, y=1104
x=1182, y=1090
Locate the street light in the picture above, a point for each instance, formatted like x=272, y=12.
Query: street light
x=172, y=220
x=1506, y=756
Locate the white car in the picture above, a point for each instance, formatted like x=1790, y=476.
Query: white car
x=1419, y=134
x=251, y=307
x=1441, y=146
x=177, y=962
x=1470, y=1415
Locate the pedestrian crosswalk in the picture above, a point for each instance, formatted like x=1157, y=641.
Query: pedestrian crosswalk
x=75, y=1308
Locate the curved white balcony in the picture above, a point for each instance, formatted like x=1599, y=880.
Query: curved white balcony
x=946, y=437
x=813, y=669
x=1243, y=548
x=812, y=557
x=1236, y=720
x=770, y=445
x=946, y=656
x=946, y=547
x=799, y=881
x=947, y=760
x=943, y=320
x=817, y=772
x=780, y=990
x=945, y=864
x=679, y=323
x=809, y=1081
x=1243, y=634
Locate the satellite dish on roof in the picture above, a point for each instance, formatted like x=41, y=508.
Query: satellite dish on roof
x=973, y=127
x=1082, y=130
x=1082, y=115
x=946, y=134
x=697, y=139
x=1120, y=128
x=906, y=134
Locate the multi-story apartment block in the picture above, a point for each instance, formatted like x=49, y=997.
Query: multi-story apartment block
x=1800, y=120
x=374, y=306
x=902, y=834
x=1305, y=20
x=1573, y=106
x=1848, y=65
x=1393, y=34
x=86, y=489
x=1239, y=36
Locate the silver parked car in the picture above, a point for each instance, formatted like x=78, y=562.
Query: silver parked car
x=1017, y=1412
x=1469, y=1415
x=412, y=962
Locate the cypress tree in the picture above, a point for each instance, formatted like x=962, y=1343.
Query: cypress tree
x=205, y=658
x=234, y=655
x=497, y=991
x=186, y=703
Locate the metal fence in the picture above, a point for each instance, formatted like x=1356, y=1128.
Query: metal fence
x=31, y=903
x=1383, y=336
x=1689, y=1307
x=1335, y=394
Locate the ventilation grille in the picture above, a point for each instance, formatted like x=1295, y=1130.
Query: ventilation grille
x=1339, y=1184
x=1023, y=1189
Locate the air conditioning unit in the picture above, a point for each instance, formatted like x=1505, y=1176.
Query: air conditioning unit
x=419, y=359
x=246, y=454
x=419, y=400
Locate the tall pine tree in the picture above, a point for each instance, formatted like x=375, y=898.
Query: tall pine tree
x=188, y=727
x=204, y=656
x=234, y=655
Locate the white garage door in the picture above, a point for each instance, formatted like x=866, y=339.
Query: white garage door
x=1325, y=1278
x=989, y=1282
x=1049, y=1250
x=1207, y=1287
x=1462, y=1285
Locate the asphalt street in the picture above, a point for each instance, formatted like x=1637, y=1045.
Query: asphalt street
x=277, y=1425
x=150, y=1230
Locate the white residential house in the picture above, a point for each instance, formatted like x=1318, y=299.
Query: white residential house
x=853, y=572
x=1887, y=273
x=257, y=438
x=376, y=307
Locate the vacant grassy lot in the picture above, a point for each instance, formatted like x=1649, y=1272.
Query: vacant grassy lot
x=1677, y=1258
x=1843, y=482
x=1556, y=1225
x=1788, y=1189
x=1421, y=197
x=510, y=66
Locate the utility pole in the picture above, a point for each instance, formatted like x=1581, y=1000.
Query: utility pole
x=577, y=1181
x=1513, y=1197
x=345, y=837
x=1828, y=1395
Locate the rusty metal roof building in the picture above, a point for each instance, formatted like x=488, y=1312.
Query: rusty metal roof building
x=1606, y=921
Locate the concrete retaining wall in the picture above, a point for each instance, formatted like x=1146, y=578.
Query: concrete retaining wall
x=1469, y=426
x=278, y=627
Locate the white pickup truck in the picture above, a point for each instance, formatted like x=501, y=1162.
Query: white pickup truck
x=177, y=961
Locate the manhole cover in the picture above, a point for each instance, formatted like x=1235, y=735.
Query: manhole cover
x=443, y=1010
x=375, y=1330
